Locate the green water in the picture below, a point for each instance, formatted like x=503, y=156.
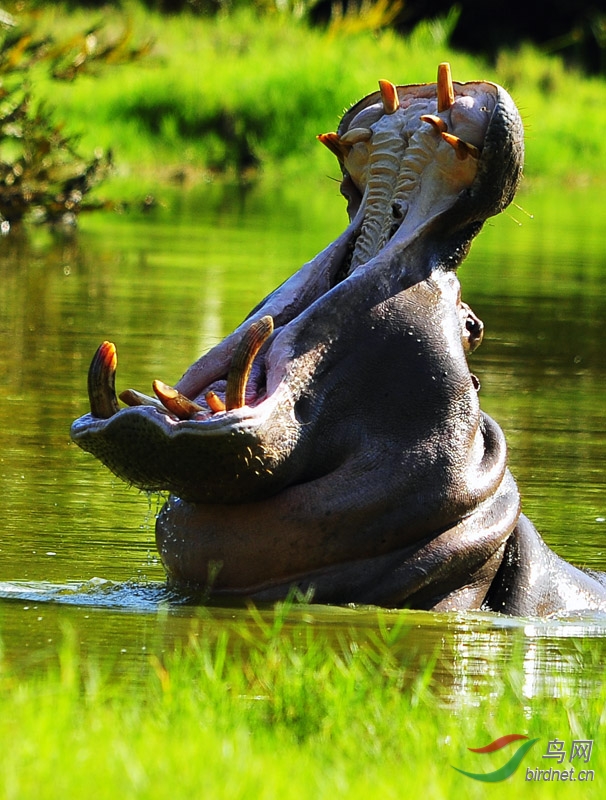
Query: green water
x=77, y=546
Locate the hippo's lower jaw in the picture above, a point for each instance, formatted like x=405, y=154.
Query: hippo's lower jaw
x=335, y=440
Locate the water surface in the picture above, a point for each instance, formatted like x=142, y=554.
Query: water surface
x=77, y=546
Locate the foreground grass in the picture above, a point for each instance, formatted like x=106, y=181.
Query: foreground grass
x=278, y=714
x=226, y=94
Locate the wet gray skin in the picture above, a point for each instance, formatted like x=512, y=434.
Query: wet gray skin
x=352, y=459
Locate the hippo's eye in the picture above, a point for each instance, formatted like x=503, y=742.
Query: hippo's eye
x=473, y=326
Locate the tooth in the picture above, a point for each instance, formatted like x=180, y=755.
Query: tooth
x=356, y=135
x=101, y=382
x=242, y=361
x=389, y=96
x=437, y=122
x=131, y=397
x=333, y=142
x=214, y=402
x=175, y=402
x=445, y=87
x=461, y=148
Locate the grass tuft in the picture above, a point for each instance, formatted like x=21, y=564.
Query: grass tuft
x=271, y=707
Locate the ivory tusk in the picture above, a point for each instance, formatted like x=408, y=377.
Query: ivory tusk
x=131, y=397
x=462, y=149
x=214, y=402
x=175, y=402
x=333, y=142
x=101, y=382
x=356, y=135
x=242, y=361
x=436, y=122
x=389, y=96
x=445, y=88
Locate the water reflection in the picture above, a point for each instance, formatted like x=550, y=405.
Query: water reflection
x=556, y=656
x=472, y=656
x=77, y=546
x=95, y=593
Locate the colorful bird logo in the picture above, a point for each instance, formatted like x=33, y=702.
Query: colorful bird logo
x=507, y=770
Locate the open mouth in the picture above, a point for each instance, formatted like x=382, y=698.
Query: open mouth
x=243, y=386
x=423, y=166
x=406, y=155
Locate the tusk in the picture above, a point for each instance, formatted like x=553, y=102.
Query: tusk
x=333, y=142
x=355, y=136
x=242, y=361
x=214, y=402
x=437, y=122
x=175, y=402
x=389, y=96
x=461, y=148
x=101, y=382
x=445, y=87
x=131, y=397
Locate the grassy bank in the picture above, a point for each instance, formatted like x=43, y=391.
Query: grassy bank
x=226, y=95
x=284, y=714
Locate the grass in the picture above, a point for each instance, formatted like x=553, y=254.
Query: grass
x=223, y=95
x=282, y=712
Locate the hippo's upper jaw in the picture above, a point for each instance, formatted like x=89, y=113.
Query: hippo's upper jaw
x=339, y=423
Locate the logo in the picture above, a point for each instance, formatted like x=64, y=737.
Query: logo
x=510, y=766
x=580, y=750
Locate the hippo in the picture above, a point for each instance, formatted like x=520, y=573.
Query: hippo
x=333, y=444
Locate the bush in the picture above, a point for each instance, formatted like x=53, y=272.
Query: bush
x=42, y=175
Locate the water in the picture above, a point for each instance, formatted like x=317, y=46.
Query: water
x=77, y=546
